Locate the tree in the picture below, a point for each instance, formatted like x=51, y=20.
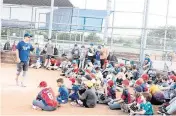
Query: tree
x=92, y=37
x=155, y=37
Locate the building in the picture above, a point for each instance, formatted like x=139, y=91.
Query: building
x=72, y=19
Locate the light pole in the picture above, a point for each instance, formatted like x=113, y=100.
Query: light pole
x=51, y=20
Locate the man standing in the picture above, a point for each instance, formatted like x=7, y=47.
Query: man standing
x=76, y=53
x=147, y=63
x=103, y=55
x=22, y=54
x=91, y=53
x=49, y=52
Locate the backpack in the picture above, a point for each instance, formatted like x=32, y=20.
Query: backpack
x=7, y=46
x=55, y=51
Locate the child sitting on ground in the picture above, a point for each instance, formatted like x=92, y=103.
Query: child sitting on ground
x=37, y=64
x=111, y=93
x=170, y=109
x=164, y=82
x=157, y=94
x=98, y=76
x=145, y=85
x=72, y=70
x=74, y=91
x=52, y=65
x=45, y=99
x=145, y=107
x=63, y=93
x=65, y=64
x=124, y=100
x=138, y=99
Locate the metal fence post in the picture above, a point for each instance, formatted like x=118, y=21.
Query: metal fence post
x=144, y=33
x=113, y=17
x=108, y=10
x=1, y=6
x=165, y=36
x=51, y=20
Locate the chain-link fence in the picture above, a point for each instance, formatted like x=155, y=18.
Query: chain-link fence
x=128, y=26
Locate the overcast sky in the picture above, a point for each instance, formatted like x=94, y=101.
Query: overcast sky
x=121, y=19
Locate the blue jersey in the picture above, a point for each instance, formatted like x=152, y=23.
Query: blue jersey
x=24, y=50
x=63, y=93
x=148, y=61
x=97, y=56
x=147, y=107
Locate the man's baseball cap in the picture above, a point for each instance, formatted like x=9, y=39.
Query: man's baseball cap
x=42, y=84
x=27, y=35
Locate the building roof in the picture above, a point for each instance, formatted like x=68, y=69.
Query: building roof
x=57, y=3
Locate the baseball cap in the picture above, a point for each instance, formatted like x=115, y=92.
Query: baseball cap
x=27, y=35
x=74, y=62
x=139, y=82
x=173, y=77
x=121, y=64
x=97, y=68
x=145, y=77
x=43, y=84
x=72, y=80
x=110, y=83
x=126, y=82
x=138, y=89
x=89, y=84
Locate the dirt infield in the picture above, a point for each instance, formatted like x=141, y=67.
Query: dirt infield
x=16, y=100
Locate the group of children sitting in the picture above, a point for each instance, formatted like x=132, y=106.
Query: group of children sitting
x=50, y=63
x=92, y=85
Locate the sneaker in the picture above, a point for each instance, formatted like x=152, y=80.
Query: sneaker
x=73, y=103
x=22, y=84
x=161, y=111
x=36, y=108
x=62, y=74
x=166, y=114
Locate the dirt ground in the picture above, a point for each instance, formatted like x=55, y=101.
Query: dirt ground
x=16, y=100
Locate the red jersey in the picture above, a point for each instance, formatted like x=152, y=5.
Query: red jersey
x=76, y=69
x=48, y=95
x=53, y=61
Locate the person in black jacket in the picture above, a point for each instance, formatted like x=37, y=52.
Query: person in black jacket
x=7, y=46
x=112, y=59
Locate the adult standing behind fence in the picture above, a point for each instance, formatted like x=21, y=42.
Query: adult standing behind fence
x=22, y=55
x=83, y=53
x=91, y=53
x=76, y=53
x=14, y=46
x=49, y=52
x=103, y=55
